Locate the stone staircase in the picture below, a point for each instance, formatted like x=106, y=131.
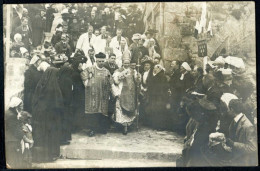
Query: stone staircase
x=145, y=148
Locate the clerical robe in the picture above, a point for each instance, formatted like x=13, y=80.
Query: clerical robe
x=97, y=89
x=100, y=44
x=124, y=89
x=46, y=121
x=85, y=42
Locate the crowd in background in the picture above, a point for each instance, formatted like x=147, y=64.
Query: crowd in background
x=101, y=70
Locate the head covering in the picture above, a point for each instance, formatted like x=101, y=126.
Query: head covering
x=219, y=60
x=59, y=29
x=136, y=36
x=147, y=59
x=47, y=6
x=106, y=9
x=126, y=55
x=65, y=11
x=23, y=50
x=226, y=72
x=14, y=102
x=34, y=59
x=143, y=37
x=17, y=36
x=117, y=6
x=157, y=56
x=235, y=61
x=100, y=55
x=186, y=66
x=25, y=10
x=94, y=9
x=227, y=97
x=151, y=31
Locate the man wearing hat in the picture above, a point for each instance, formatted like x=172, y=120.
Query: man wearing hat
x=97, y=81
x=197, y=131
x=150, y=35
x=136, y=37
x=13, y=133
x=139, y=52
x=31, y=79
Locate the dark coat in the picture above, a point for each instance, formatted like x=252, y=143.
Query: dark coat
x=31, y=79
x=47, y=110
x=244, y=136
x=55, y=39
x=65, y=82
x=156, y=113
x=138, y=53
x=179, y=87
x=78, y=99
x=38, y=28
x=13, y=137
x=49, y=18
x=13, y=127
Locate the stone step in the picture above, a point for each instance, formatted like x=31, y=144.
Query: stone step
x=145, y=144
x=105, y=163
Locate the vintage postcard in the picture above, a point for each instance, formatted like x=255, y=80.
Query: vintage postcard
x=116, y=85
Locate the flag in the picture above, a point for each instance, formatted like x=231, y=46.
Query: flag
x=209, y=30
x=196, y=30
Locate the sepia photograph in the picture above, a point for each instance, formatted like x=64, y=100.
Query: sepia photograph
x=130, y=85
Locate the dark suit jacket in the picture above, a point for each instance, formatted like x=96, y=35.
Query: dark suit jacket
x=244, y=136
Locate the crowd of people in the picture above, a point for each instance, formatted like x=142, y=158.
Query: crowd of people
x=99, y=72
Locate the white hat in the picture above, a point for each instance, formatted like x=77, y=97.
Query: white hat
x=14, y=102
x=235, y=61
x=136, y=36
x=16, y=36
x=73, y=11
x=106, y=9
x=23, y=50
x=219, y=60
x=227, y=97
x=59, y=29
x=226, y=71
x=143, y=36
x=94, y=9
x=47, y=6
x=34, y=59
x=25, y=10
x=186, y=66
x=65, y=11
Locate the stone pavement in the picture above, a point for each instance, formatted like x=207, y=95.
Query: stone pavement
x=143, y=148
x=70, y=163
